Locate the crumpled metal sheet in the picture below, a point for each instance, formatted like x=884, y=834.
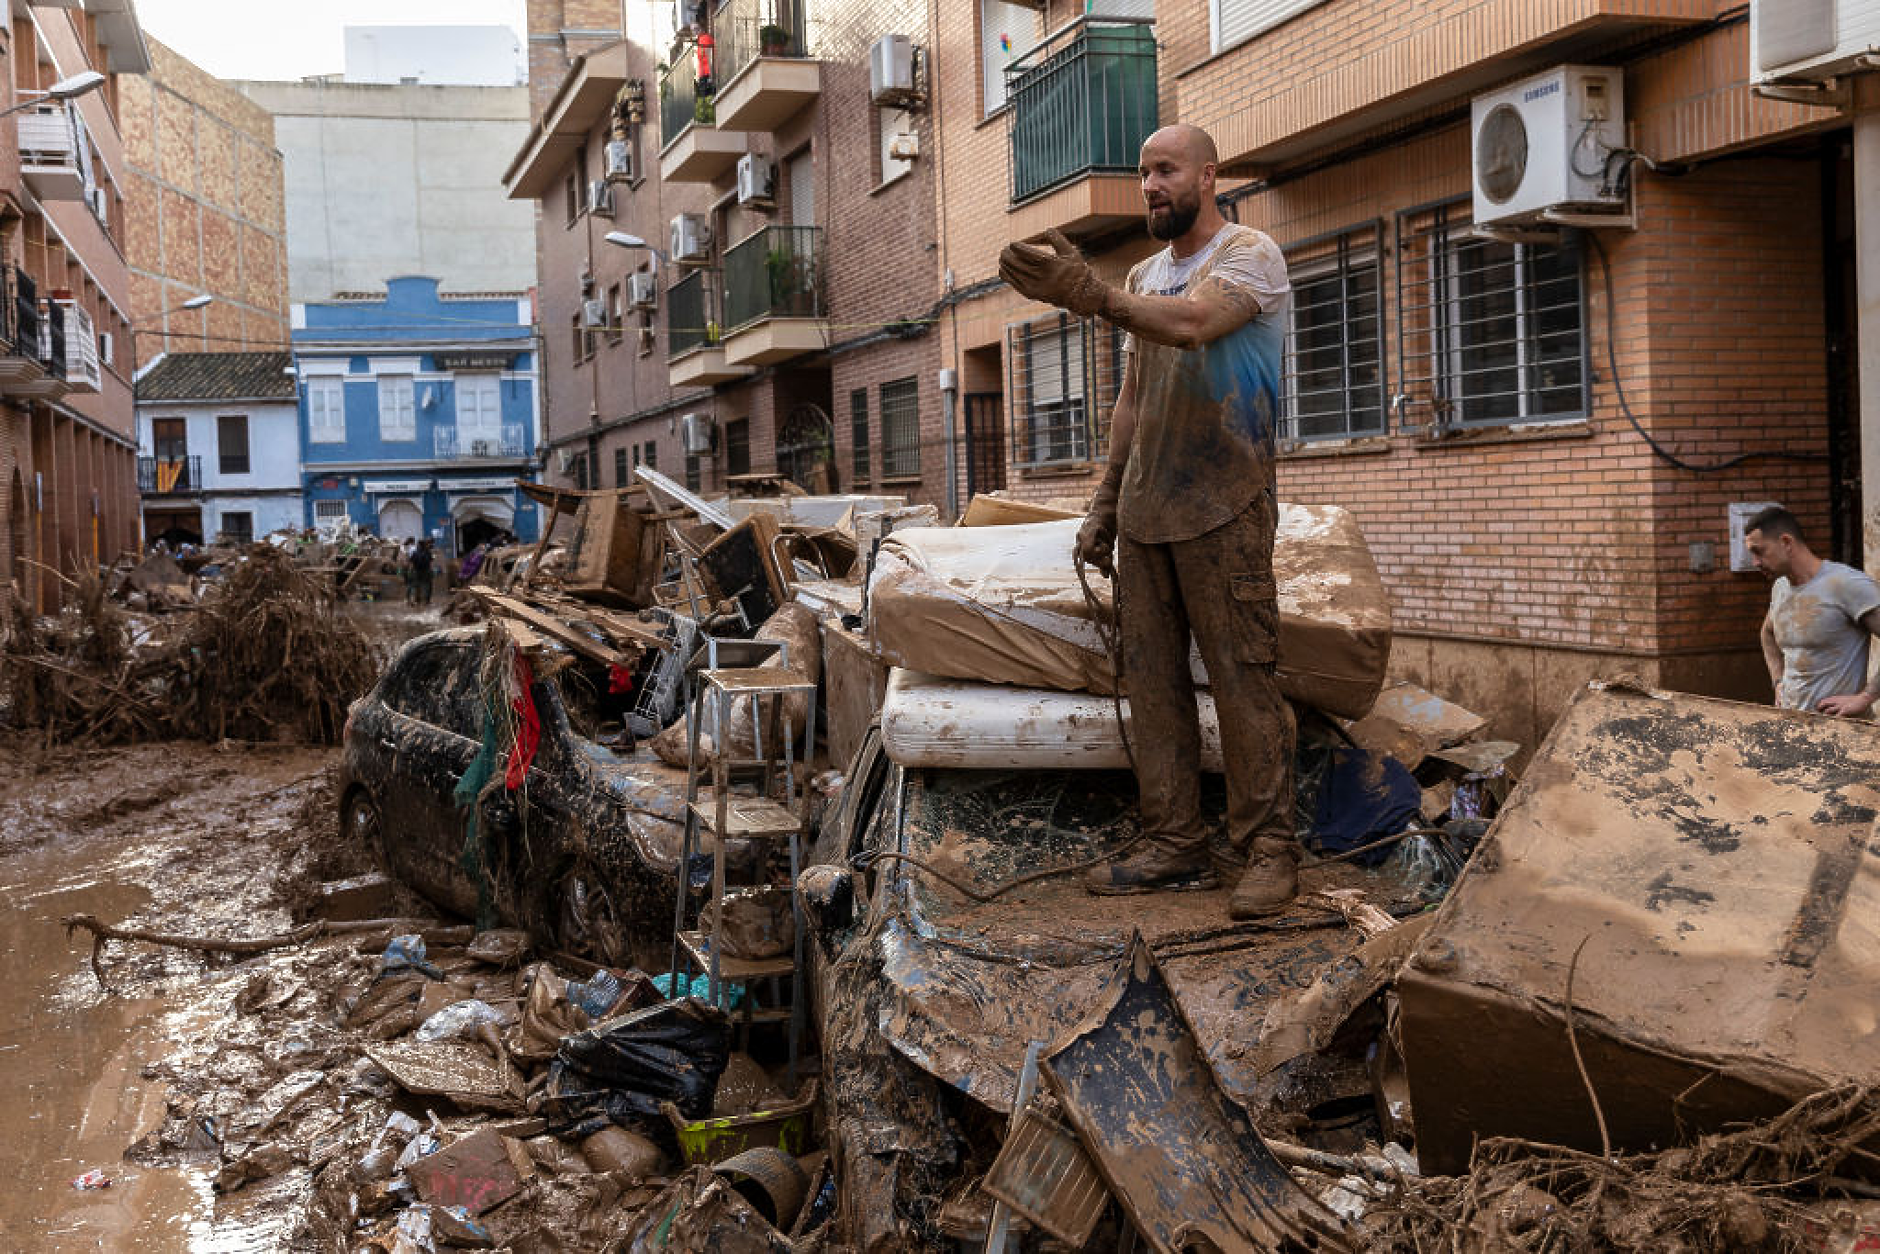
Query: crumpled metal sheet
x=1181, y=1158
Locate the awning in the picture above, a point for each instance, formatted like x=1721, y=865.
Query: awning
x=490, y=508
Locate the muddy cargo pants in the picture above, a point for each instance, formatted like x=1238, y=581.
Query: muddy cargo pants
x=1219, y=586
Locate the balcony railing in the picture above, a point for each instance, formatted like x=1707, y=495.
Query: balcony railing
x=52, y=337
x=81, y=347
x=452, y=444
x=21, y=330
x=680, y=101
x=169, y=476
x=692, y=311
x=1082, y=103
x=776, y=273
x=747, y=29
x=53, y=151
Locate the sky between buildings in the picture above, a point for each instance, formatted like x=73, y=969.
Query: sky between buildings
x=292, y=39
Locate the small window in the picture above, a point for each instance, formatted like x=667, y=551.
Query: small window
x=1489, y=332
x=694, y=473
x=326, y=411
x=616, y=324
x=1232, y=21
x=328, y=514
x=900, y=429
x=238, y=526
x=889, y=124
x=858, y=434
x=738, y=447
x=437, y=686
x=578, y=471
x=1065, y=373
x=583, y=344
x=1333, y=386
x=623, y=474
x=397, y=414
x=231, y=443
x=1006, y=32
x=575, y=185
x=649, y=455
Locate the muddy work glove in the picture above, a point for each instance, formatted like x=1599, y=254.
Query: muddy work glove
x=1096, y=539
x=1055, y=273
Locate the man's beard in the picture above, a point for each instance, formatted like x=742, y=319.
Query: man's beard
x=1180, y=217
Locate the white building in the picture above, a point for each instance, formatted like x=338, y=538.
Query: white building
x=218, y=446
x=481, y=56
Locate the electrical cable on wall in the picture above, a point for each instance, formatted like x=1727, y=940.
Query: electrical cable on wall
x=1625, y=406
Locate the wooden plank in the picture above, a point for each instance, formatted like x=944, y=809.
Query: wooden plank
x=554, y=629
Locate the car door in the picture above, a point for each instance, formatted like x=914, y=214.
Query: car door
x=434, y=725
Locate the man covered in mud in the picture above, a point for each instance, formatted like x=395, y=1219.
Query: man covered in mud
x=1821, y=615
x=1188, y=505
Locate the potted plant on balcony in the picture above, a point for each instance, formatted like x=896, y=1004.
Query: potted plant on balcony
x=774, y=40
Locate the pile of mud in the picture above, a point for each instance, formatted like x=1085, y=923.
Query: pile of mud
x=263, y=656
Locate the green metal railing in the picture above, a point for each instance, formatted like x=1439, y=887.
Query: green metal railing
x=1082, y=102
x=776, y=273
x=747, y=29
x=680, y=104
x=692, y=312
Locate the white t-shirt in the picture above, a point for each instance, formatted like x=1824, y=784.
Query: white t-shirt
x=1260, y=269
x=1817, y=625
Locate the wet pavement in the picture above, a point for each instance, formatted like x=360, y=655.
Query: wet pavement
x=159, y=835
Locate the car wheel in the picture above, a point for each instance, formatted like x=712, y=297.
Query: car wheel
x=361, y=823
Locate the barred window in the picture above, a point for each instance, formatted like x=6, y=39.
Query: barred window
x=1334, y=345
x=622, y=473
x=694, y=475
x=738, y=446
x=1489, y=332
x=1064, y=376
x=858, y=434
x=900, y=429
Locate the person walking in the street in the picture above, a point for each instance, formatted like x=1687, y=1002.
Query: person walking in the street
x=1189, y=495
x=1821, y=615
x=421, y=572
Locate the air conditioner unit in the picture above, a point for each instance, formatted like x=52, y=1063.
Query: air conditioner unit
x=600, y=197
x=619, y=160
x=1806, y=41
x=691, y=238
x=891, y=71
x=641, y=293
x=697, y=434
x=904, y=146
x=593, y=313
x=757, y=181
x=1544, y=143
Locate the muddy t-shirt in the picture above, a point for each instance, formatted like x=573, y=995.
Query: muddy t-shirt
x=1203, y=447
x=1824, y=647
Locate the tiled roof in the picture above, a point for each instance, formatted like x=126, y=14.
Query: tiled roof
x=218, y=377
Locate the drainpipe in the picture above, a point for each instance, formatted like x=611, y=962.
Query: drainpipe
x=950, y=395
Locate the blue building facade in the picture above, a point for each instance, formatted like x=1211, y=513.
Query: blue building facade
x=418, y=412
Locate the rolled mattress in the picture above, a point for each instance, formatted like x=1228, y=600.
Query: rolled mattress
x=927, y=721
x=1003, y=605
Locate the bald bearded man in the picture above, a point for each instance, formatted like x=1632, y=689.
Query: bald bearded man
x=1189, y=496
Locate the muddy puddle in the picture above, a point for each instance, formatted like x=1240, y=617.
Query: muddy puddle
x=129, y=835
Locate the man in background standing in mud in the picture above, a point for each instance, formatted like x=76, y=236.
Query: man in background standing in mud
x=1189, y=493
x=1821, y=615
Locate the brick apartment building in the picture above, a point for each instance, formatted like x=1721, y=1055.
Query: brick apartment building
x=1468, y=396
x=796, y=325
x=68, y=490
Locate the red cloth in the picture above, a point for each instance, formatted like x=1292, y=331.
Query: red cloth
x=528, y=726
x=619, y=681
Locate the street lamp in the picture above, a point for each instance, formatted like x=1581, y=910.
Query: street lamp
x=623, y=240
x=65, y=89
x=197, y=301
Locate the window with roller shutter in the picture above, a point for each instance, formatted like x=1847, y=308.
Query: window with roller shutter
x=1233, y=21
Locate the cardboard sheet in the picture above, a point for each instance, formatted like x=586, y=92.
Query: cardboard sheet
x=1002, y=604
x=1717, y=862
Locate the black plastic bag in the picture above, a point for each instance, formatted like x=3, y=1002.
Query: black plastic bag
x=620, y=1070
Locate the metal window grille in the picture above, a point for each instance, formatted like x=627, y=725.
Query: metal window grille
x=622, y=475
x=900, y=429
x=694, y=474
x=1063, y=376
x=1334, y=385
x=858, y=434
x=738, y=447
x=238, y=526
x=649, y=455
x=1488, y=332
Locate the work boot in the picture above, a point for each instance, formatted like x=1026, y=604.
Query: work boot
x=1153, y=869
x=1270, y=881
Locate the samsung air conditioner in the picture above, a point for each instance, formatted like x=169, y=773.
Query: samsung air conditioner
x=600, y=197
x=691, y=238
x=593, y=313
x=641, y=293
x=619, y=160
x=757, y=181
x=1807, y=41
x=1544, y=146
x=696, y=431
x=891, y=71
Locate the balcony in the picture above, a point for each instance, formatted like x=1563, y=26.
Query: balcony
x=169, y=476
x=1082, y=102
x=52, y=147
x=585, y=96
x=694, y=356
x=453, y=444
x=773, y=296
x=763, y=66
x=23, y=367
x=695, y=151
x=51, y=351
